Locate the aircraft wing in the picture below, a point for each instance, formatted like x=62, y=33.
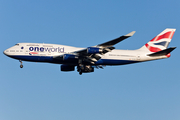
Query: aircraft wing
x=92, y=54
x=108, y=45
x=117, y=40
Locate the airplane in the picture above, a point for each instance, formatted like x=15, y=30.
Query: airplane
x=86, y=59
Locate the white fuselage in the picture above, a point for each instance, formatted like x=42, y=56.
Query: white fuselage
x=37, y=52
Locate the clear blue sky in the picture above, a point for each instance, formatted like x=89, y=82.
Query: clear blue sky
x=40, y=91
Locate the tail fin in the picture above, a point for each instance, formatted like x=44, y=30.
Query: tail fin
x=160, y=42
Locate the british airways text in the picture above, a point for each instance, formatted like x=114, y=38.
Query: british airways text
x=42, y=49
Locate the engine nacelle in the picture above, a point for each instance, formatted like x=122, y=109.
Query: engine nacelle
x=94, y=50
x=67, y=68
x=69, y=57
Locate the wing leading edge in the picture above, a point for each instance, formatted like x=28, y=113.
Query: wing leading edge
x=117, y=40
x=107, y=45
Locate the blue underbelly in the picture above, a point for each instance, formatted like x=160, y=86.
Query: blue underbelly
x=50, y=59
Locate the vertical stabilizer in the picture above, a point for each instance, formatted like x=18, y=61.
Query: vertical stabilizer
x=160, y=42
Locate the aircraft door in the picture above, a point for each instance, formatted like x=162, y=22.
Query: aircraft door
x=26, y=50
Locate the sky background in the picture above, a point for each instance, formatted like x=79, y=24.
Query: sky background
x=40, y=91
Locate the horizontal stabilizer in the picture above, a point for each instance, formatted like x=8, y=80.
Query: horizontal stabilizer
x=163, y=52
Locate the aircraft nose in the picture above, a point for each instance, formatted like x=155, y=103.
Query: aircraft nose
x=5, y=52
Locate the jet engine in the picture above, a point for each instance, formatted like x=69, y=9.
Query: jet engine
x=69, y=57
x=94, y=50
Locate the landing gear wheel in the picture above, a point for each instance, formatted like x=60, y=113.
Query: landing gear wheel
x=79, y=67
x=80, y=73
x=21, y=66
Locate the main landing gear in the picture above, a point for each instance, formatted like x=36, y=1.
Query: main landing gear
x=84, y=69
x=79, y=69
x=21, y=66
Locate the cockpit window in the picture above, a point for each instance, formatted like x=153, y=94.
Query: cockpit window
x=17, y=44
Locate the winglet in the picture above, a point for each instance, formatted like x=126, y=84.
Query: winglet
x=131, y=33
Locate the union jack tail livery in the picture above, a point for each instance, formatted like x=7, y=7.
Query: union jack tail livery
x=160, y=42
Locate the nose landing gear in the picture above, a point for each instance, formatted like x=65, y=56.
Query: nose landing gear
x=21, y=66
